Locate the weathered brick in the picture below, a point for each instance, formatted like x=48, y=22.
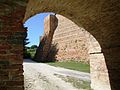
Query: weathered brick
x=15, y=88
x=16, y=41
x=16, y=73
x=5, y=46
x=5, y=33
x=4, y=72
x=14, y=83
x=15, y=56
x=19, y=34
x=14, y=51
x=4, y=78
x=17, y=77
x=17, y=47
x=3, y=88
x=14, y=66
x=3, y=51
x=3, y=57
x=4, y=62
x=2, y=83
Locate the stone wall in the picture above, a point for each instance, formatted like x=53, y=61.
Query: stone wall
x=71, y=40
x=76, y=43
x=50, y=24
x=98, y=68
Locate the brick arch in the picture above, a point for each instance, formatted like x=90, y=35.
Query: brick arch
x=101, y=18
x=82, y=15
x=98, y=19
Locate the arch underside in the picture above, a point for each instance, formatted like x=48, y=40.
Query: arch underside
x=101, y=19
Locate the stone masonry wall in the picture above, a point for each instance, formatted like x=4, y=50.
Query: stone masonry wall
x=98, y=68
x=75, y=43
x=50, y=24
x=71, y=40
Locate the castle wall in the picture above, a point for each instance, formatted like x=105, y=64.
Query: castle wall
x=71, y=40
x=50, y=24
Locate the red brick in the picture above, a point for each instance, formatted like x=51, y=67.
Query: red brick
x=16, y=72
x=2, y=51
x=16, y=51
x=15, y=83
x=4, y=72
x=3, y=57
x=4, y=77
x=15, y=59
x=5, y=46
x=3, y=88
x=17, y=77
x=5, y=33
x=15, y=88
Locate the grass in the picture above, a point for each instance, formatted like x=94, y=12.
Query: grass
x=77, y=83
x=79, y=66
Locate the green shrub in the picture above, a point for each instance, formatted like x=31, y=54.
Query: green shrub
x=27, y=55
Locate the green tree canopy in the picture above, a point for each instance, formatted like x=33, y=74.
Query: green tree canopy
x=34, y=47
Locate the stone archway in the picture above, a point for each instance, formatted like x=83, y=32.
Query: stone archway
x=100, y=18
x=86, y=47
x=96, y=18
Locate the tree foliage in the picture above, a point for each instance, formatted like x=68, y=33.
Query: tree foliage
x=34, y=47
x=25, y=53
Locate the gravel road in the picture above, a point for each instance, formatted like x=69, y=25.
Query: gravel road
x=39, y=76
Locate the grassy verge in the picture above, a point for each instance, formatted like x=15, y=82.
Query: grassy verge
x=77, y=83
x=79, y=66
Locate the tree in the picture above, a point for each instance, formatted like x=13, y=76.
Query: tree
x=25, y=53
x=26, y=41
x=34, y=47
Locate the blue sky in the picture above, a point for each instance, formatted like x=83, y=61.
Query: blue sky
x=35, y=28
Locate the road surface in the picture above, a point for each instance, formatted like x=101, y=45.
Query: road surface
x=40, y=76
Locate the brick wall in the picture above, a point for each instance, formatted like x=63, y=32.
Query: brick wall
x=12, y=35
x=71, y=40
